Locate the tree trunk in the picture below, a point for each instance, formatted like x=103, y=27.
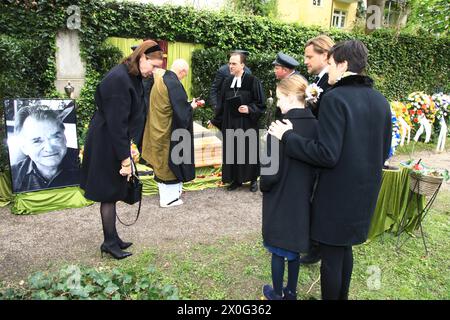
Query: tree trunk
x=403, y=15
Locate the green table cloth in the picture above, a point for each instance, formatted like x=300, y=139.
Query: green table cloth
x=6, y=195
x=73, y=197
x=206, y=177
x=392, y=202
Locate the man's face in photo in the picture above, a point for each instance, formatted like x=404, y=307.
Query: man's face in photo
x=43, y=141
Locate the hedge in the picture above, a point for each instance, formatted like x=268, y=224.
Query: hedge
x=399, y=63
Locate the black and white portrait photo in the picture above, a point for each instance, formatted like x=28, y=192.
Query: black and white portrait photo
x=42, y=143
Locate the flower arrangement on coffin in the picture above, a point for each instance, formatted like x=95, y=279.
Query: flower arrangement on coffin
x=423, y=179
x=441, y=102
x=422, y=114
x=404, y=121
x=396, y=137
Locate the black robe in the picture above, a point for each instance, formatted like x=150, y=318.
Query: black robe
x=252, y=95
x=182, y=119
x=354, y=138
x=286, y=194
x=118, y=119
x=170, y=110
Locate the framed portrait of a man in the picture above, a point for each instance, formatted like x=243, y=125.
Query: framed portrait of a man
x=42, y=143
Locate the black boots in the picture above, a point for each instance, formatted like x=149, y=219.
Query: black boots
x=122, y=244
x=114, y=251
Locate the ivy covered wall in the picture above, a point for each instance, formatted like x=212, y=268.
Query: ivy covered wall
x=399, y=64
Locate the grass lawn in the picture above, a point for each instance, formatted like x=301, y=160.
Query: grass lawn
x=412, y=147
x=237, y=268
x=230, y=269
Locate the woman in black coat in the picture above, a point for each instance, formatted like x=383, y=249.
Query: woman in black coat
x=287, y=193
x=119, y=118
x=353, y=142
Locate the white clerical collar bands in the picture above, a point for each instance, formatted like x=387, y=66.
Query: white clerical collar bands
x=237, y=81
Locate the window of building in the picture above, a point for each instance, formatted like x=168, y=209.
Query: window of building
x=339, y=19
x=317, y=3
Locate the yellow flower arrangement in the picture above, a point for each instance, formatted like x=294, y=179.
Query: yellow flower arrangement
x=420, y=104
x=401, y=111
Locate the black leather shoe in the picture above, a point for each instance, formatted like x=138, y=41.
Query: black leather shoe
x=288, y=294
x=124, y=245
x=114, y=251
x=234, y=186
x=270, y=294
x=254, y=186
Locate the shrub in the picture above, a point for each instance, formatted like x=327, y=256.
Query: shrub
x=74, y=283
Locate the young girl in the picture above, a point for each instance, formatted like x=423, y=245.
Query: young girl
x=286, y=195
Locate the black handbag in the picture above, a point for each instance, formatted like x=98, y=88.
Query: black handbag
x=134, y=192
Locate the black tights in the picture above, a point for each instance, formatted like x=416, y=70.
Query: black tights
x=335, y=271
x=278, y=274
x=108, y=213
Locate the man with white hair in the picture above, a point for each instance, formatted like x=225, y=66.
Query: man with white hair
x=170, y=112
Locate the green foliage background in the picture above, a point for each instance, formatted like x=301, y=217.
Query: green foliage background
x=399, y=64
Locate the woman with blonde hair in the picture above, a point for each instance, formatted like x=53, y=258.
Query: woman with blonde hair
x=286, y=195
x=118, y=120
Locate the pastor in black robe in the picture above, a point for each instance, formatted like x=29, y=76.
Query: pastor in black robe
x=227, y=117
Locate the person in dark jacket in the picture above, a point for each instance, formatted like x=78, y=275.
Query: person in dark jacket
x=284, y=66
x=316, y=62
x=353, y=143
x=118, y=120
x=48, y=162
x=286, y=194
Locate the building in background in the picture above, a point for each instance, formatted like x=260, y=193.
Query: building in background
x=324, y=13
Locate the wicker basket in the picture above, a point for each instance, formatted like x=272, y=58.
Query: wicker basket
x=424, y=185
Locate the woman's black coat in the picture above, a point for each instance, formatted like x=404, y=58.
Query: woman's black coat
x=286, y=194
x=353, y=142
x=120, y=117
